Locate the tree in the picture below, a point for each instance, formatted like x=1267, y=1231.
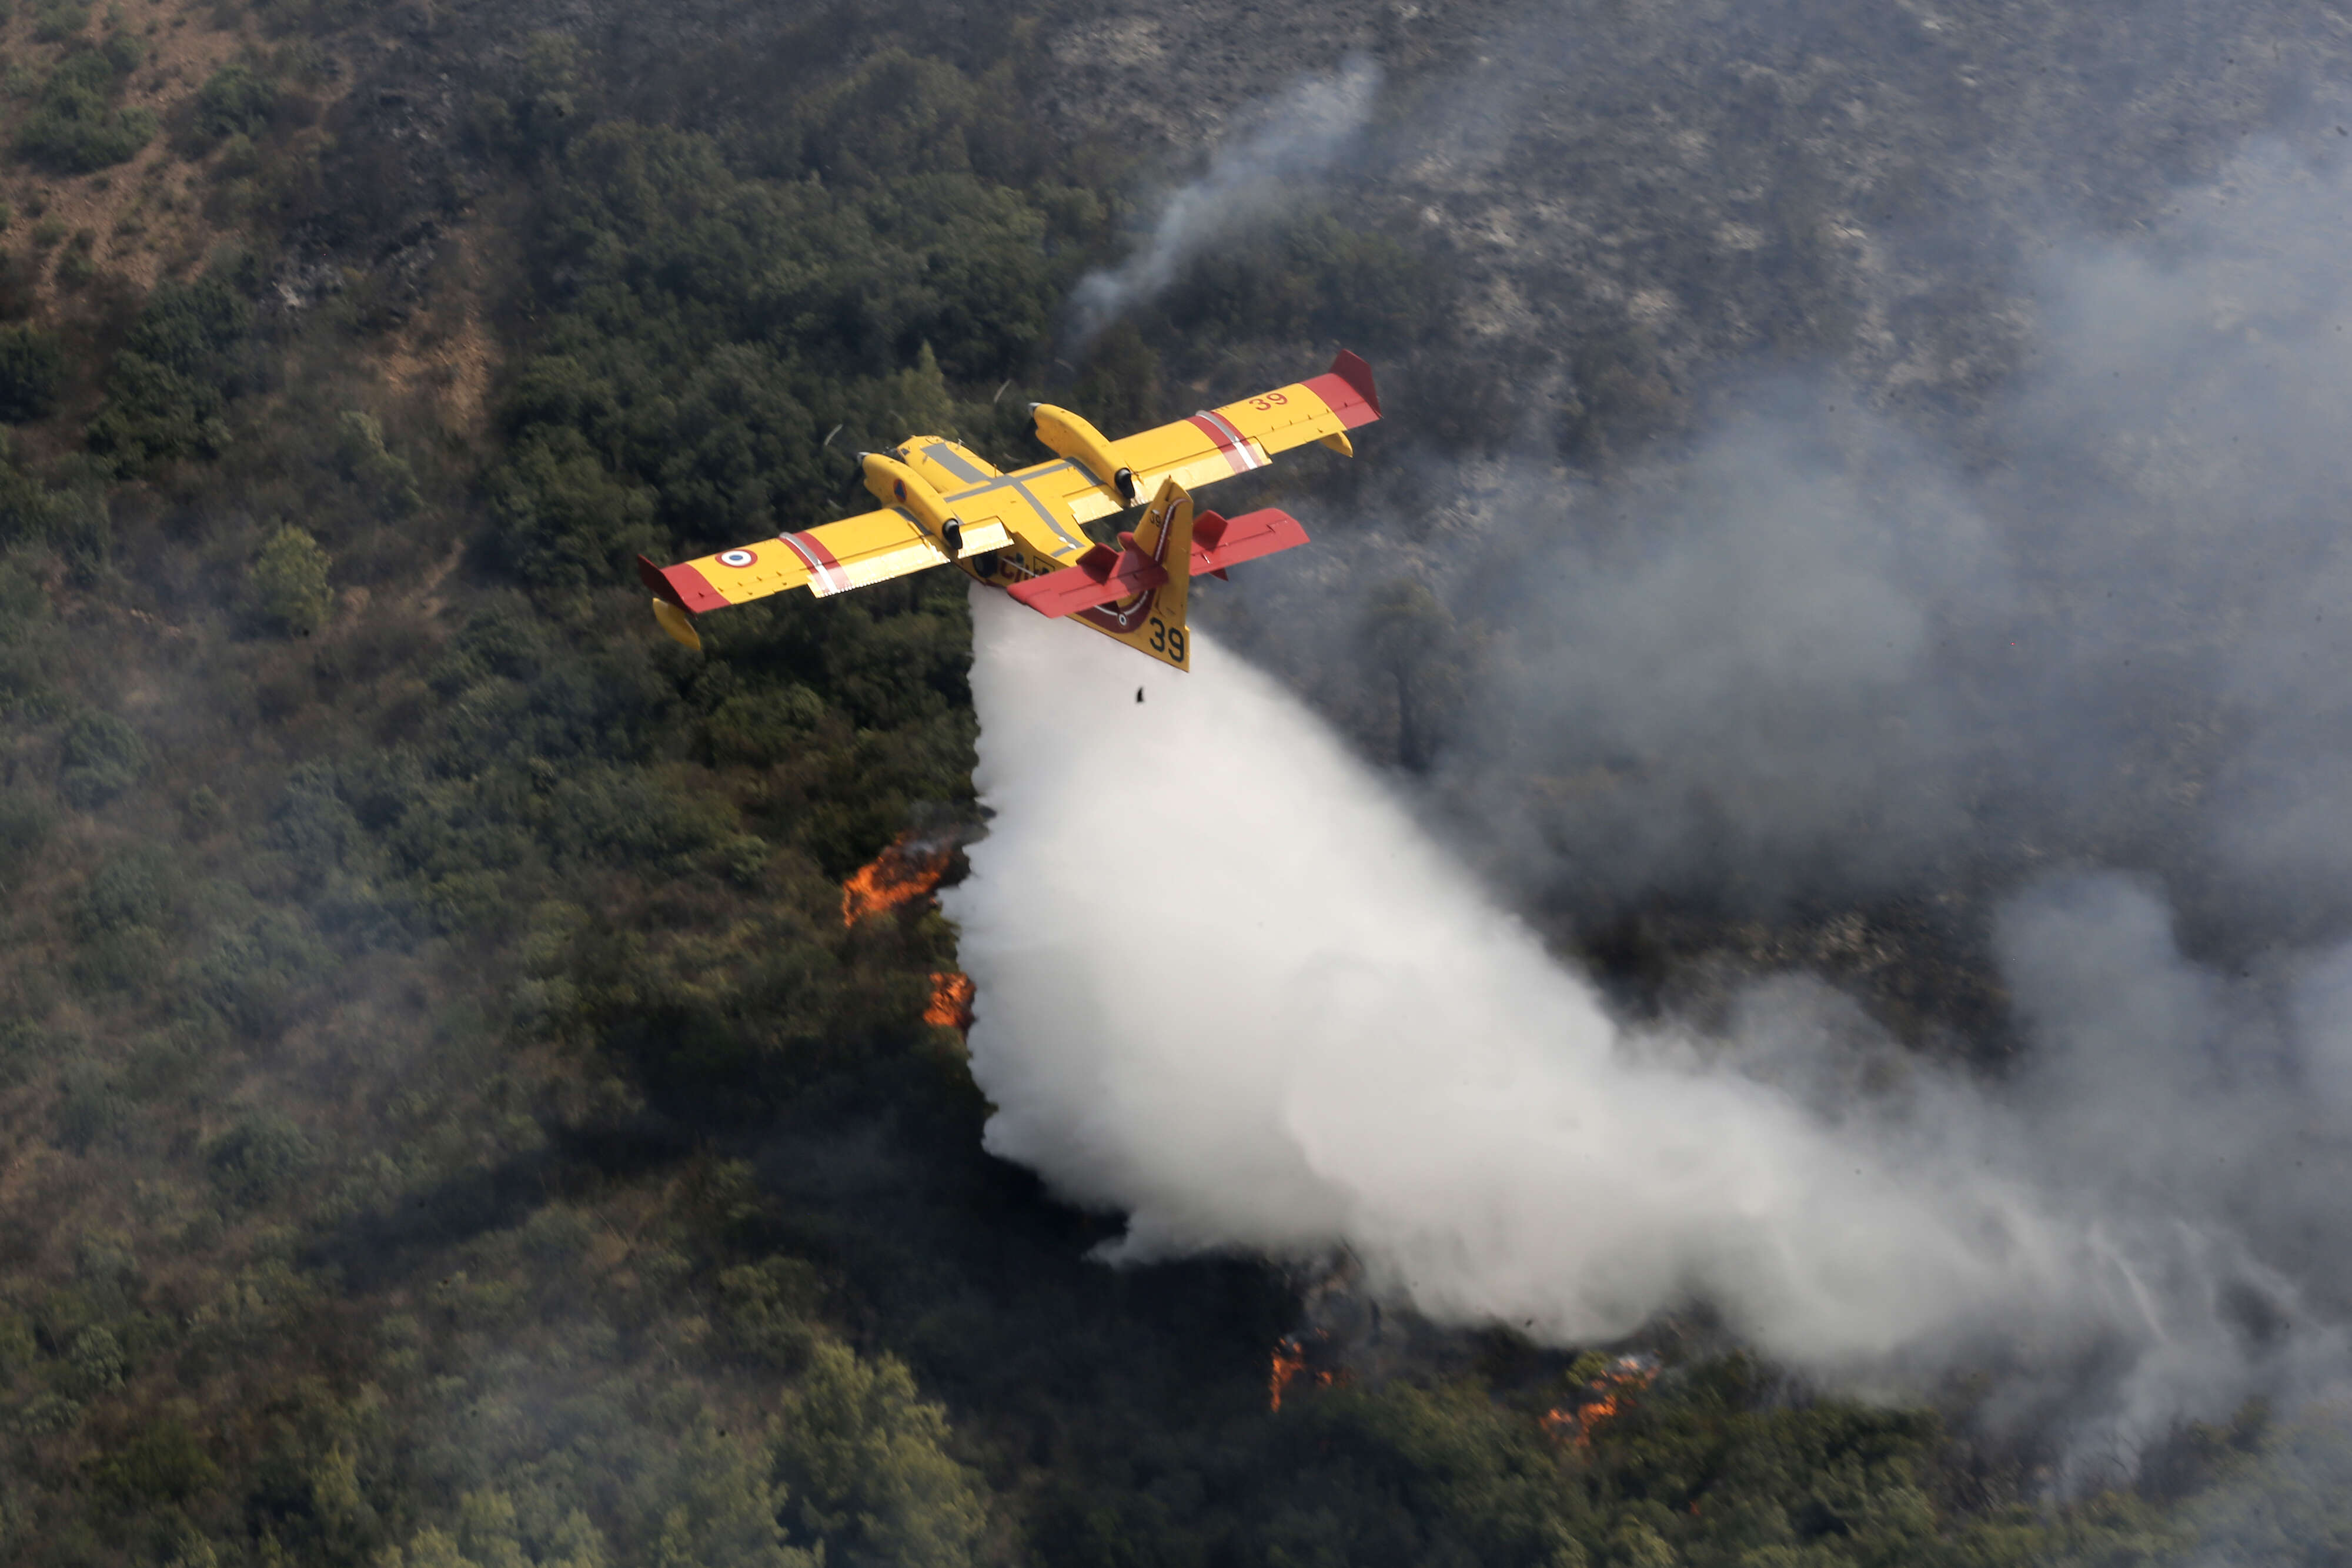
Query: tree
x=32, y=365
x=74, y=127
x=235, y=100
x=363, y=458
x=865, y=1464
x=719, y=1512
x=103, y=756
x=289, y=581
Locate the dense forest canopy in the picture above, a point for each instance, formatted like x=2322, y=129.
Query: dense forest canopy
x=448, y=1118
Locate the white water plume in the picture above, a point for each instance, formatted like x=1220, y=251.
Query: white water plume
x=1228, y=986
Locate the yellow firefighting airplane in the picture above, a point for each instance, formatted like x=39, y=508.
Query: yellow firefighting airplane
x=1022, y=532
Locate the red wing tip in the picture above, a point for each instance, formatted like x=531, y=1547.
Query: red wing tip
x=682, y=586
x=651, y=576
x=1350, y=367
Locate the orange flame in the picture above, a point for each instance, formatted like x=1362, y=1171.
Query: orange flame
x=1290, y=1367
x=951, y=1001
x=1615, y=1388
x=899, y=874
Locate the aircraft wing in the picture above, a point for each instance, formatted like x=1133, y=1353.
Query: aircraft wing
x=1218, y=443
x=855, y=552
x=1040, y=508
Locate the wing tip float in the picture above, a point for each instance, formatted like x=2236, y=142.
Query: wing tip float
x=669, y=604
x=936, y=499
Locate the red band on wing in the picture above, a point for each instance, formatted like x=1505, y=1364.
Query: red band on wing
x=1229, y=441
x=818, y=559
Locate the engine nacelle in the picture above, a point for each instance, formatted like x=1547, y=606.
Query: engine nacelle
x=1066, y=434
x=894, y=483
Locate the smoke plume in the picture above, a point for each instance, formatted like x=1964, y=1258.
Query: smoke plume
x=1302, y=134
x=1825, y=652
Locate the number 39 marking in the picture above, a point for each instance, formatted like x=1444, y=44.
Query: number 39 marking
x=1270, y=399
x=1167, y=639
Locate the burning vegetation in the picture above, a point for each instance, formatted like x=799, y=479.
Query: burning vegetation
x=951, y=1001
x=1293, y=1366
x=1604, y=1396
x=908, y=870
x=904, y=871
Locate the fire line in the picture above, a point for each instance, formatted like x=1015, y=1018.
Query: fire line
x=899, y=875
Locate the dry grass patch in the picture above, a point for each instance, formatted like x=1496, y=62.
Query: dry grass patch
x=147, y=218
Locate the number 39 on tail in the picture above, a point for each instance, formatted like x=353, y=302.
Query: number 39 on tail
x=1024, y=532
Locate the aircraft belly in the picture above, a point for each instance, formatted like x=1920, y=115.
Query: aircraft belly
x=1015, y=497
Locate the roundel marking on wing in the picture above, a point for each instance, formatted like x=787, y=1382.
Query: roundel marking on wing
x=737, y=558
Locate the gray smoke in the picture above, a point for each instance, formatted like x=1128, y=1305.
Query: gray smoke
x=1824, y=655
x=2077, y=672
x=2287, y=1511
x=1299, y=137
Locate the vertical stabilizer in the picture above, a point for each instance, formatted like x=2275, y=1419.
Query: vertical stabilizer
x=1152, y=622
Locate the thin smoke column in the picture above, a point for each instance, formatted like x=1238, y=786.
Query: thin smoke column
x=1303, y=135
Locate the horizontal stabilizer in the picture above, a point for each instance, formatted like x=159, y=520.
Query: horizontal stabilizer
x=1220, y=542
x=1100, y=575
x=1103, y=574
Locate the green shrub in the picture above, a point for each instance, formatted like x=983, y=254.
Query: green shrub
x=771, y=1310
x=289, y=582
x=235, y=100
x=124, y=964
x=89, y=1107
x=74, y=128
x=763, y=726
x=634, y=815
x=78, y=265
x=32, y=367
x=189, y=353
x=238, y=158
x=24, y=829
x=361, y=457
x=257, y=1160
x=102, y=757
x=714, y=1506
x=153, y=412
x=120, y=920
x=563, y=519
x=92, y=1365
x=18, y=1348
x=162, y=1463
x=865, y=1466
x=130, y=890
x=24, y=1046
x=56, y=22
x=23, y=603
x=312, y=823
x=252, y=975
